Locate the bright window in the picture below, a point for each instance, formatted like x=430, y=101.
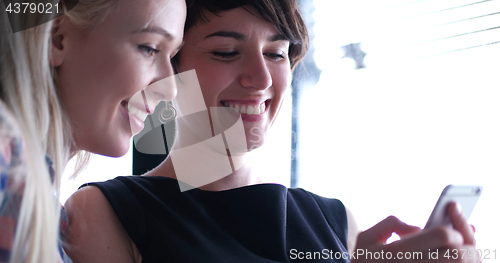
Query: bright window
x=424, y=113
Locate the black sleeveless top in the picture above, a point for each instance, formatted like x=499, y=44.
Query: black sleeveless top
x=258, y=223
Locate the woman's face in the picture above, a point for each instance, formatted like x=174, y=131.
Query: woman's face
x=242, y=63
x=101, y=70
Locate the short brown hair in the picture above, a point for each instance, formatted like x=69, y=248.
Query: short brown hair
x=284, y=14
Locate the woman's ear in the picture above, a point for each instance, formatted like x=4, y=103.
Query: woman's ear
x=58, y=41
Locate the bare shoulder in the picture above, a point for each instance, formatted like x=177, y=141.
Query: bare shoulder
x=352, y=230
x=95, y=233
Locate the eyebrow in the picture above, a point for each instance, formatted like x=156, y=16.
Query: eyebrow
x=156, y=30
x=278, y=37
x=241, y=37
x=229, y=34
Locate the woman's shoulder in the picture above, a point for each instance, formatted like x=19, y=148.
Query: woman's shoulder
x=299, y=193
x=339, y=217
x=106, y=238
x=331, y=209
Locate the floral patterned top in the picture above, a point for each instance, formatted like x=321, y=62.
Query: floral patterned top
x=12, y=175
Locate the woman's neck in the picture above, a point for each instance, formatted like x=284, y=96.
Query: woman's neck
x=240, y=177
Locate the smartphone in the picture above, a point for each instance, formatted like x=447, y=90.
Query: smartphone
x=465, y=195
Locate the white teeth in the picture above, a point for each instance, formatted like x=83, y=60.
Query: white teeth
x=136, y=112
x=243, y=109
x=250, y=109
x=246, y=109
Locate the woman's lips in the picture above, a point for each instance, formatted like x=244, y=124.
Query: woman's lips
x=135, y=117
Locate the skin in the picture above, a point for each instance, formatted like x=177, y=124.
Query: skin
x=239, y=69
x=102, y=68
x=239, y=58
x=414, y=239
x=244, y=61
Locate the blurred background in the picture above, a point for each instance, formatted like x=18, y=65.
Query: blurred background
x=396, y=100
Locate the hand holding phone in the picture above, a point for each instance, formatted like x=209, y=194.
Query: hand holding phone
x=464, y=195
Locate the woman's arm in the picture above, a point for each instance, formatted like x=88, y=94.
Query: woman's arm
x=95, y=233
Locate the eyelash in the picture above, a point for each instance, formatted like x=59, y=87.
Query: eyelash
x=229, y=55
x=224, y=55
x=148, y=50
x=275, y=56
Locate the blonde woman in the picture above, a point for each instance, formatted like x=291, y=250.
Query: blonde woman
x=66, y=87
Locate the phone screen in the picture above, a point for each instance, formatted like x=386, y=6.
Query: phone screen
x=465, y=195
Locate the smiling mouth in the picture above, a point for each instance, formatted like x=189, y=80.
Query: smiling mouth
x=138, y=113
x=135, y=111
x=245, y=108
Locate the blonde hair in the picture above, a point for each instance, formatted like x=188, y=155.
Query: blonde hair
x=28, y=89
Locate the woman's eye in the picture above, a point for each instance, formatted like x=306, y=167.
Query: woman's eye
x=149, y=51
x=224, y=55
x=275, y=56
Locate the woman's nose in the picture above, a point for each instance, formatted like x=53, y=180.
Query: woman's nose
x=163, y=89
x=256, y=74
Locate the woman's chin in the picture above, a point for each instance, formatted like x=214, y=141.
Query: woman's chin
x=254, y=144
x=121, y=152
x=117, y=146
x=255, y=137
